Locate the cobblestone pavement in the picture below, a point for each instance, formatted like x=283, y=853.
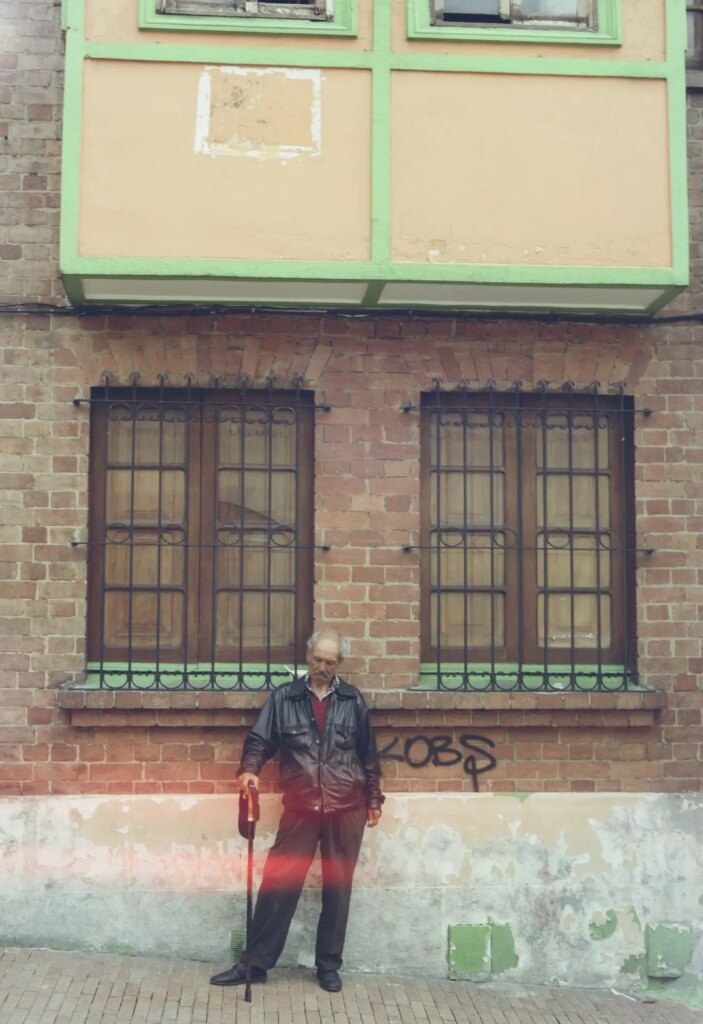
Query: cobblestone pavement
x=49, y=987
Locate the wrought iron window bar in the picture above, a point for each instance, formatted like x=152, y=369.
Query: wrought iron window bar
x=516, y=649
x=132, y=554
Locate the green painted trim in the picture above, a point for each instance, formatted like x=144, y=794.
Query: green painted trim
x=273, y=56
x=71, y=135
x=529, y=66
x=373, y=293
x=344, y=23
x=120, y=675
x=506, y=678
x=667, y=296
x=73, y=286
x=678, y=169
x=67, y=20
x=608, y=32
x=381, y=137
x=254, y=56
x=381, y=271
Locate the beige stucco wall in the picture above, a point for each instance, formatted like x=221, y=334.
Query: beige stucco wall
x=184, y=160
x=533, y=170
x=187, y=160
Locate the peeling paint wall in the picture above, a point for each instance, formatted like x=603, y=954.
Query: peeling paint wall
x=562, y=888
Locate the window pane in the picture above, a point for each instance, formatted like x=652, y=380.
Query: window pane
x=151, y=441
x=253, y=631
x=468, y=439
x=586, y=624
x=261, y=508
x=550, y=8
x=151, y=562
x=133, y=497
x=472, y=611
x=580, y=512
x=253, y=435
x=258, y=561
x=143, y=620
x=587, y=553
x=465, y=500
x=472, y=7
x=470, y=563
x=587, y=442
x=257, y=437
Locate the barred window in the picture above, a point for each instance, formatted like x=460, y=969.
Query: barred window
x=200, y=537
x=527, y=540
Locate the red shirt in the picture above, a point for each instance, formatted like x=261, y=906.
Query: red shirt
x=320, y=709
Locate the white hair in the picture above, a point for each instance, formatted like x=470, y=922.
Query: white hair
x=342, y=642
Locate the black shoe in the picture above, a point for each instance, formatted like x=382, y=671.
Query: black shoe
x=237, y=975
x=330, y=981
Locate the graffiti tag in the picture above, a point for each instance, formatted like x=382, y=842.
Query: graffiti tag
x=474, y=752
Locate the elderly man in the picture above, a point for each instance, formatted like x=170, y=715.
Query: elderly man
x=331, y=790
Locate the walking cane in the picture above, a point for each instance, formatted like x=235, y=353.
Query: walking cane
x=248, y=817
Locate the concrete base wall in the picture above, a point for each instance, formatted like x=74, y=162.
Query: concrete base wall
x=579, y=885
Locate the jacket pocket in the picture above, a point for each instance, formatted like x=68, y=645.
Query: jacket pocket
x=296, y=737
x=345, y=738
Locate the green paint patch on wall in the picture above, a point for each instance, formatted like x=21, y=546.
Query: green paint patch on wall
x=686, y=989
x=604, y=929
x=503, y=955
x=634, y=964
x=478, y=952
x=669, y=948
x=469, y=952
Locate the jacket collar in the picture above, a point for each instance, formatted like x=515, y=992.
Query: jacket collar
x=298, y=688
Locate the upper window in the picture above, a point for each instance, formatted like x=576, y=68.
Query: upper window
x=539, y=13
x=308, y=10
x=555, y=21
x=301, y=17
x=200, y=564
x=527, y=541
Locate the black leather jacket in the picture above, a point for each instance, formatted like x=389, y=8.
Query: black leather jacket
x=336, y=773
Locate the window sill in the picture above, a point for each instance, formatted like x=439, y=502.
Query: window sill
x=107, y=708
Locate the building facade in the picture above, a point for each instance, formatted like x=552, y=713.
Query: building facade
x=376, y=315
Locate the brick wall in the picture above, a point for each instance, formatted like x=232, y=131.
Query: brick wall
x=366, y=509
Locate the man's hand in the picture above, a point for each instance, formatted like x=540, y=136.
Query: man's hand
x=373, y=816
x=245, y=778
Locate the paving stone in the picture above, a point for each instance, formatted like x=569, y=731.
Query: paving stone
x=51, y=987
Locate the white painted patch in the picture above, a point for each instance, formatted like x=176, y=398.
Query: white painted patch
x=246, y=147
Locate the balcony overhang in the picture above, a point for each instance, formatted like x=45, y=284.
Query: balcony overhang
x=569, y=290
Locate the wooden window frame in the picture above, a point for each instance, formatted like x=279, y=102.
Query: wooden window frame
x=329, y=18
x=303, y=10
x=522, y=661
x=199, y=663
x=604, y=27
x=510, y=15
